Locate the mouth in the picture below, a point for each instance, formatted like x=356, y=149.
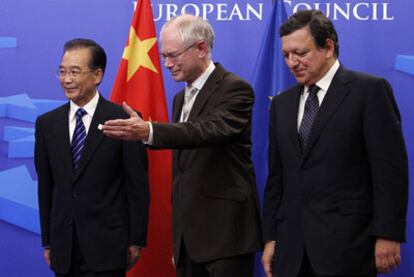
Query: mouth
x=70, y=90
x=175, y=72
x=299, y=73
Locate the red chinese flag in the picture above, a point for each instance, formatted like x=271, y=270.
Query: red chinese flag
x=139, y=83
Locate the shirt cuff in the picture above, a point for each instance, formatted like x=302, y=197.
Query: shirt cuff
x=150, y=136
x=137, y=246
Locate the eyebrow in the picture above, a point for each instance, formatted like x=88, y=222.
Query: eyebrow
x=170, y=53
x=71, y=67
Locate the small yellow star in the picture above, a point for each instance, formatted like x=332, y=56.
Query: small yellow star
x=136, y=53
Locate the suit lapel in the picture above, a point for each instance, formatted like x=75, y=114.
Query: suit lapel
x=209, y=87
x=178, y=105
x=95, y=136
x=292, y=107
x=62, y=138
x=333, y=98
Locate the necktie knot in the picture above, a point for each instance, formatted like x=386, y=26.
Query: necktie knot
x=313, y=89
x=190, y=92
x=80, y=113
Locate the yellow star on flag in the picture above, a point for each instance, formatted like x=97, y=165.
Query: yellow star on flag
x=136, y=53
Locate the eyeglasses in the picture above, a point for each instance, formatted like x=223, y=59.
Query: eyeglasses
x=73, y=73
x=174, y=57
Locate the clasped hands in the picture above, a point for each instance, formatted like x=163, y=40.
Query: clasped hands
x=133, y=128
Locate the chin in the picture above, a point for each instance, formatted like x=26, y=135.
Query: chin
x=73, y=97
x=178, y=78
x=302, y=80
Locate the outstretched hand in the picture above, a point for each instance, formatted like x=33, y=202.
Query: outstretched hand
x=133, y=128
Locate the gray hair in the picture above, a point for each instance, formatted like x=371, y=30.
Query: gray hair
x=191, y=29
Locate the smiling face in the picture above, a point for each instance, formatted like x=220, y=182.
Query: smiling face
x=306, y=61
x=81, y=88
x=190, y=62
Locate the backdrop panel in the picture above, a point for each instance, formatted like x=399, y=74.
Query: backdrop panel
x=374, y=35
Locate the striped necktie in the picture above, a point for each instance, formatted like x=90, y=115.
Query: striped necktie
x=78, y=139
x=187, y=105
x=309, y=115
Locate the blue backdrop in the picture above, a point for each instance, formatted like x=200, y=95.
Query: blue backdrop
x=375, y=36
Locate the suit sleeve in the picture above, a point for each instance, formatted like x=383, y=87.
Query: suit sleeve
x=136, y=181
x=388, y=162
x=274, y=187
x=45, y=182
x=229, y=114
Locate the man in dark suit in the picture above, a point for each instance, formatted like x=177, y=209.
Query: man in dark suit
x=214, y=203
x=93, y=190
x=336, y=196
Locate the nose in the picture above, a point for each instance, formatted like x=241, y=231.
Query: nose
x=168, y=63
x=66, y=79
x=291, y=60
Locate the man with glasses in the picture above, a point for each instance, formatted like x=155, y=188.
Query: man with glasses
x=214, y=203
x=93, y=190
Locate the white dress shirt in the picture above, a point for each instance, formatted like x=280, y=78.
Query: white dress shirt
x=198, y=84
x=90, y=108
x=323, y=84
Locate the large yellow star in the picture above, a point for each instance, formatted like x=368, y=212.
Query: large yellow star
x=136, y=53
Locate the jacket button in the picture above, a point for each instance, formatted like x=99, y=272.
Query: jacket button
x=75, y=195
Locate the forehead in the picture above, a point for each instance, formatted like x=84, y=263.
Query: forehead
x=78, y=57
x=170, y=40
x=298, y=39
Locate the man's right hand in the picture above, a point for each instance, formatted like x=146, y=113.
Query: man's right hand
x=133, y=128
x=267, y=257
x=47, y=256
x=387, y=255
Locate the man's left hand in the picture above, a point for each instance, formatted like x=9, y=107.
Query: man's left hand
x=133, y=128
x=387, y=255
x=134, y=252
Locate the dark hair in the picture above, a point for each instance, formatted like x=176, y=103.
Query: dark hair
x=320, y=27
x=97, y=53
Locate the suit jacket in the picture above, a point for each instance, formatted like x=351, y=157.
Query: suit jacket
x=214, y=197
x=349, y=186
x=105, y=202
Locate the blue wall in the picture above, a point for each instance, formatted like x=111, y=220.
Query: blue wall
x=374, y=36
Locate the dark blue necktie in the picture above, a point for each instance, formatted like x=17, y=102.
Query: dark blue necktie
x=311, y=110
x=78, y=139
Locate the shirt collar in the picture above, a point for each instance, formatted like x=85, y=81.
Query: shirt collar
x=200, y=81
x=326, y=80
x=89, y=107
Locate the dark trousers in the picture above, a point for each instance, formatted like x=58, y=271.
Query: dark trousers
x=237, y=266
x=307, y=270
x=80, y=269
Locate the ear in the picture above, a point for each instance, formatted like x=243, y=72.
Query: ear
x=98, y=75
x=330, y=48
x=202, y=48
